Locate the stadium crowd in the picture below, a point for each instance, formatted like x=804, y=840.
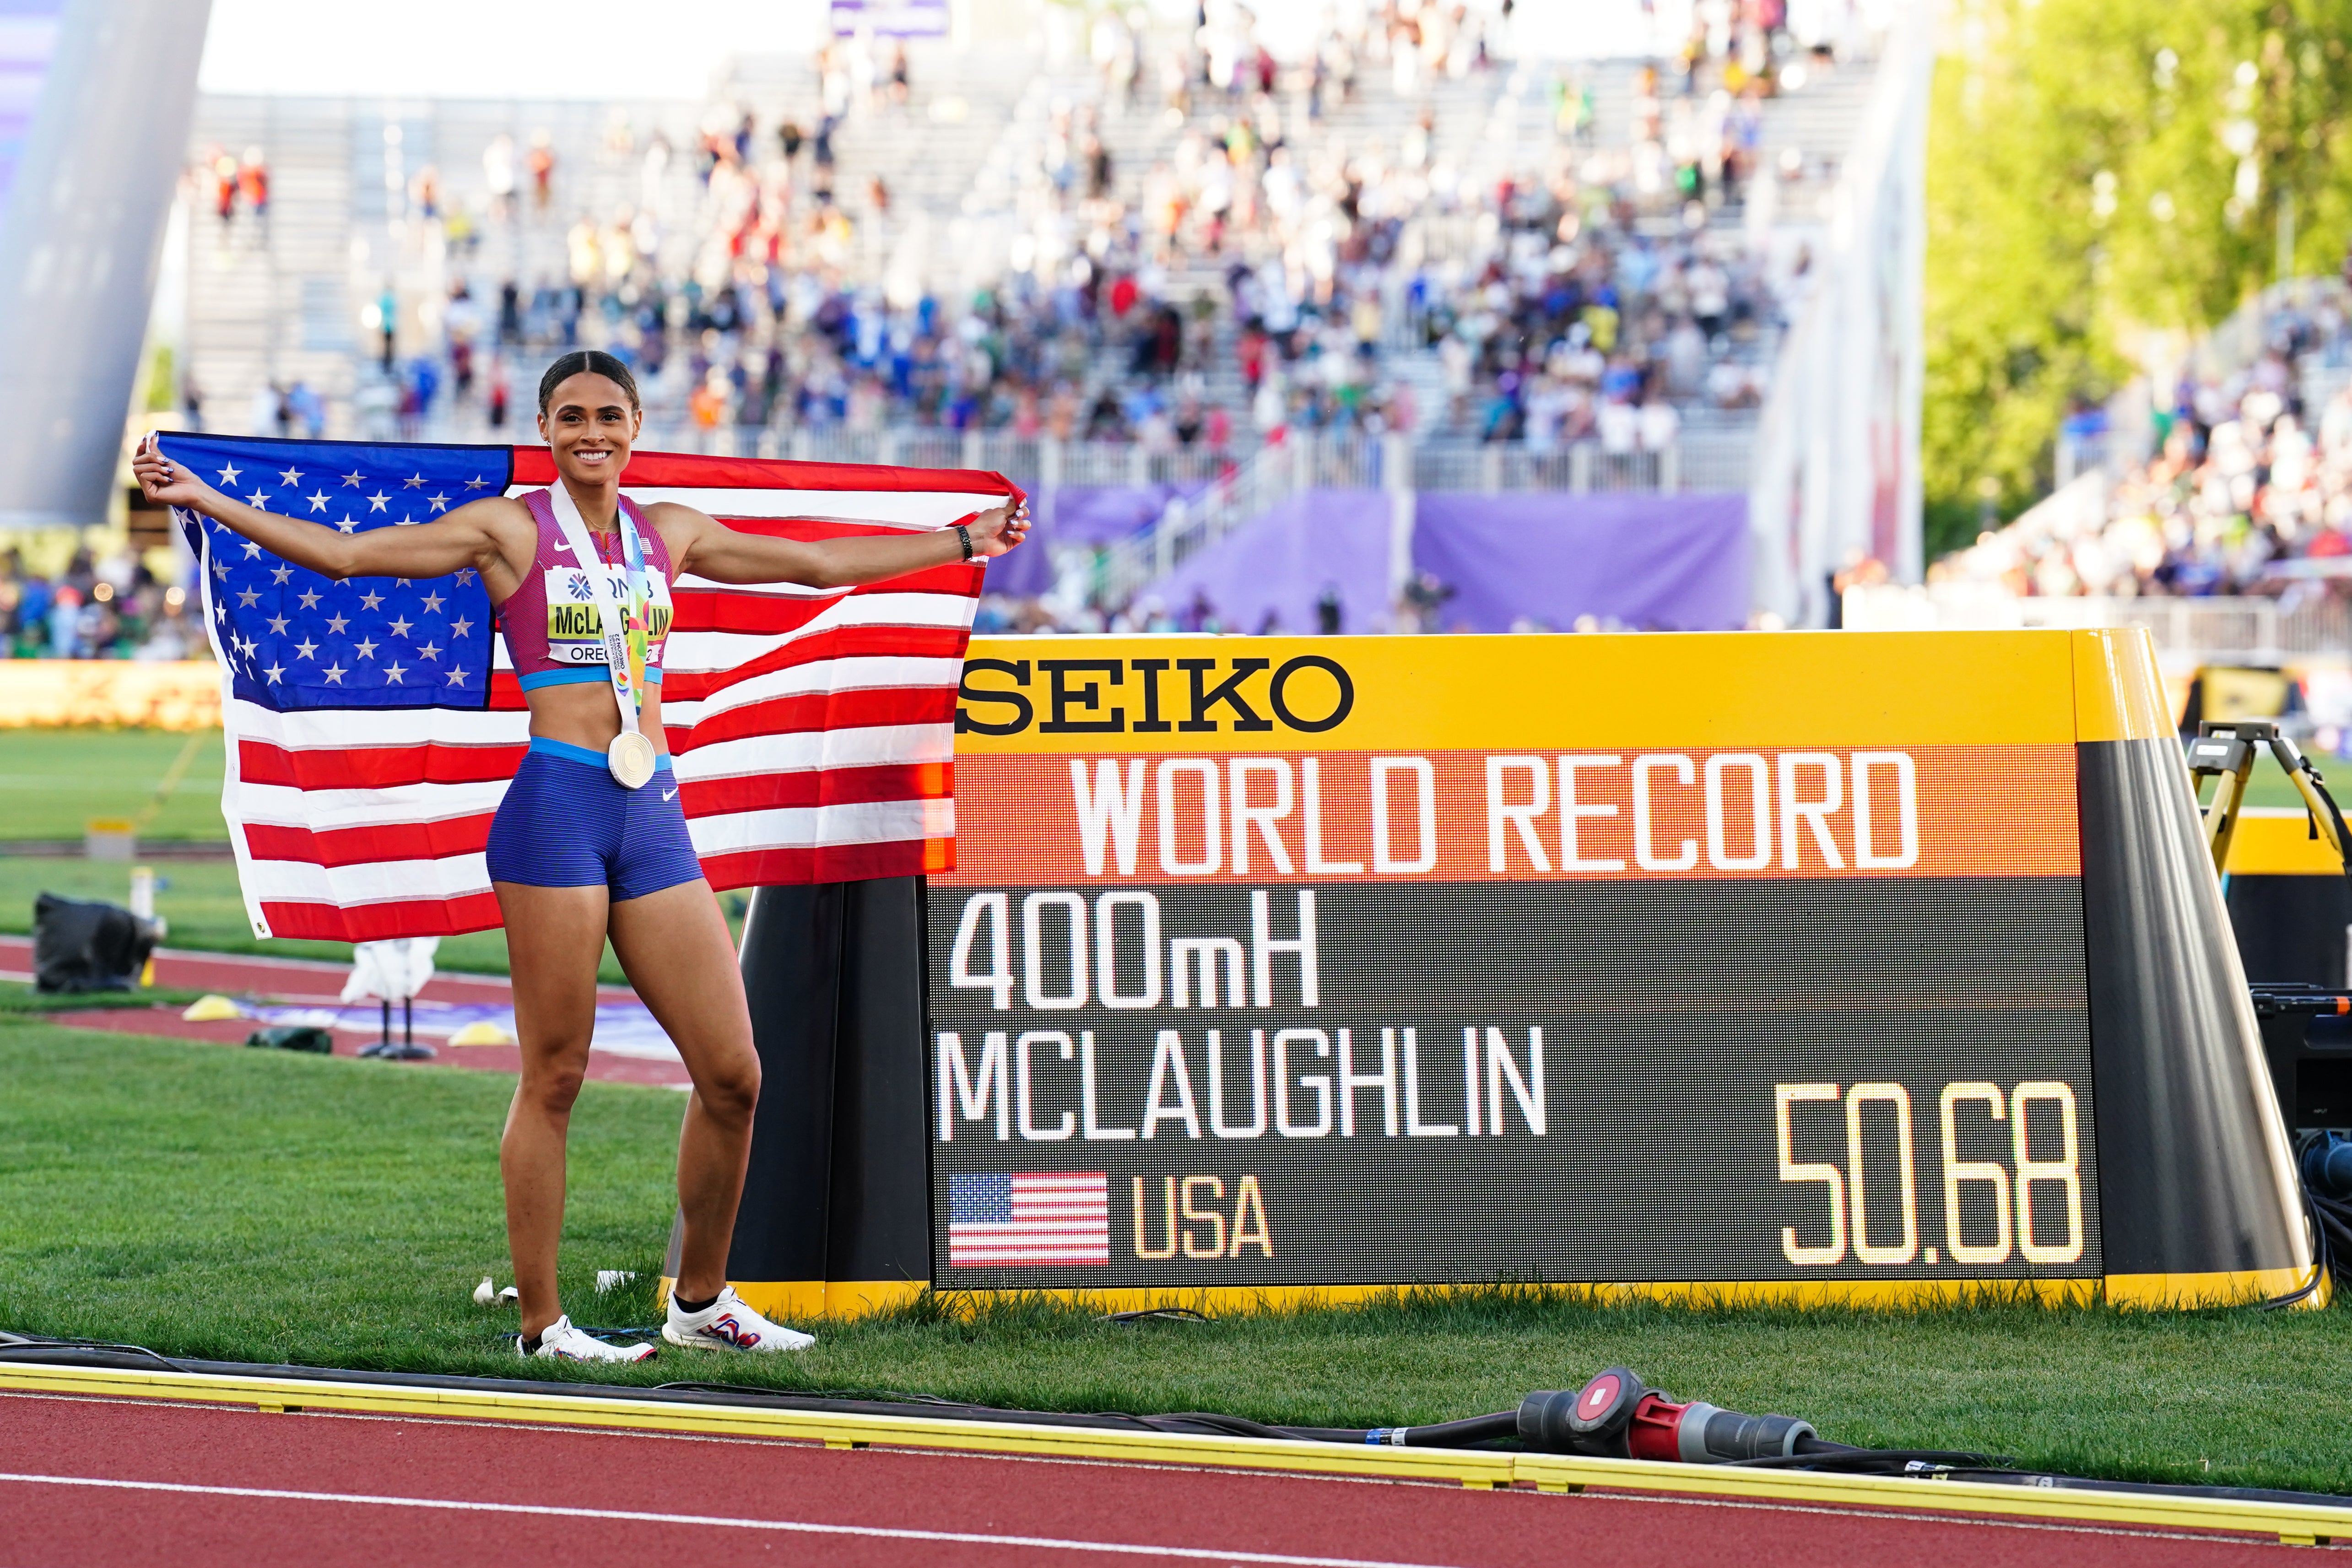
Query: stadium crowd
x=1398, y=229
x=110, y=608
x=2249, y=489
x=1263, y=273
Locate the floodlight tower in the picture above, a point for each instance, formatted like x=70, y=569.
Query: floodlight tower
x=82, y=213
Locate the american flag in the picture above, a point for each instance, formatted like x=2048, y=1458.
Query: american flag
x=1029, y=1217
x=373, y=724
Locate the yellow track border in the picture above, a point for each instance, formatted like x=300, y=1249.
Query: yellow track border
x=2293, y=1523
x=794, y=1300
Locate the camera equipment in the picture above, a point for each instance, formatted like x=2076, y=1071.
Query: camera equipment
x=86, y=945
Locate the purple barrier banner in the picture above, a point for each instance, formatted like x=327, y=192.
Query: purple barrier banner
x=1079, y=514
x=1026, y=572
x=1501, y=563
x=1649, y=563
x=1271, y=574
x=1097, y=514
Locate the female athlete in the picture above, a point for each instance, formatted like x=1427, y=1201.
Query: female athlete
x=575, y=853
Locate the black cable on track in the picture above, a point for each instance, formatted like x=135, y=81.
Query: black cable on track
x=1844, y=1459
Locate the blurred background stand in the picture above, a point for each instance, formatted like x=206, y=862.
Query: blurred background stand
x=391, y=971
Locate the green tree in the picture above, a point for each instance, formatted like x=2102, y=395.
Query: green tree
x=2097, y=168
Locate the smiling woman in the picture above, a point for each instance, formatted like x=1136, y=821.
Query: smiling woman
x=590, y=840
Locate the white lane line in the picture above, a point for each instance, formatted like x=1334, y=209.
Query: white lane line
x=797, y=1527
x=1840, y=1510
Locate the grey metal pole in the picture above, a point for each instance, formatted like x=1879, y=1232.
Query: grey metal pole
x=79, y=243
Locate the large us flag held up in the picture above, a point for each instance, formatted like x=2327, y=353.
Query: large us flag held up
x=373, y=724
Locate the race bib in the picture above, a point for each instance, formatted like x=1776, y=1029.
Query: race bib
x=574, y=635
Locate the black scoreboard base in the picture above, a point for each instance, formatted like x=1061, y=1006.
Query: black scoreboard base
x=836, y=1218
x=1868, y=968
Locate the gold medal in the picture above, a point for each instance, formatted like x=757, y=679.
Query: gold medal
x=631, y=758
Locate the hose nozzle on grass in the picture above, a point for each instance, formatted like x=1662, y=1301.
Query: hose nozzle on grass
x=1615, y=1415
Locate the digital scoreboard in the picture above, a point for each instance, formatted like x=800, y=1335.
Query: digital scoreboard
x=1817, y=965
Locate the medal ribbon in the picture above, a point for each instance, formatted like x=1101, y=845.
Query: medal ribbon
x=624, y=648
x=640, y=604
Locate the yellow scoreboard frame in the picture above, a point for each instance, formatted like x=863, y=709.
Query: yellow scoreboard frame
x=1806, y=967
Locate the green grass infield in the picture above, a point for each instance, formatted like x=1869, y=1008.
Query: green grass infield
x=52, y=782
x=265, y=1206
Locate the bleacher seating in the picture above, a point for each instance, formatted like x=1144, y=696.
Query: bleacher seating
x=956, y=267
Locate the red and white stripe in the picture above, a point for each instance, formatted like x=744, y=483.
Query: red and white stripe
x=1057, y=1219
x=813, y=732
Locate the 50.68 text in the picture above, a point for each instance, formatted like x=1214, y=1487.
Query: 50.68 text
x=2004, y=1218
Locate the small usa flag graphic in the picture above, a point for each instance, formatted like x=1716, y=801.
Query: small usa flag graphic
x=1029, y=1218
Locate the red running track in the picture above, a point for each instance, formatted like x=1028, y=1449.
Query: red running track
x=303, y=981
x=95, y=1483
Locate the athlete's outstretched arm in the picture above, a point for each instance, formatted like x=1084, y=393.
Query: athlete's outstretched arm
x=470, y=536
x=718, y=553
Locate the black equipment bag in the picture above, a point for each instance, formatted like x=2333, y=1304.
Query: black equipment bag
x=294, y=1037
x=86, y=945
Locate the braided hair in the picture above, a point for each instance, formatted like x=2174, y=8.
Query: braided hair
x=586, y=362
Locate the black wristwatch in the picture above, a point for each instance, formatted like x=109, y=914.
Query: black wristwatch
x=965, y=534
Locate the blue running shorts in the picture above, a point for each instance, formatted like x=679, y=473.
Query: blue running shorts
x=567, y=822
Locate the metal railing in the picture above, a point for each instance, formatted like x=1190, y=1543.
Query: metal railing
x=2252, y=627
x=1582, y=468
x=1708, y=459
x=1190, y=524
x=2300, y=624
x=1220, y=489
x=2077, y=455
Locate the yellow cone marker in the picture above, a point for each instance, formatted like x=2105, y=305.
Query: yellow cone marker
x=211, y=1009
x=482, y=1034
